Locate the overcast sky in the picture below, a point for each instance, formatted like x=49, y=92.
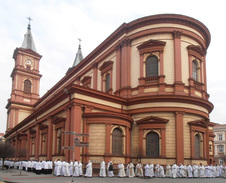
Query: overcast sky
x=57, y=25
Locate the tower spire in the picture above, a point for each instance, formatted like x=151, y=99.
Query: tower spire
x=28, y=42
x=79, y=56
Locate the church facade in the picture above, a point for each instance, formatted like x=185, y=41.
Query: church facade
x=140, y=95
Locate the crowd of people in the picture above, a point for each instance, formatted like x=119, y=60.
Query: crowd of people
x=75, y=169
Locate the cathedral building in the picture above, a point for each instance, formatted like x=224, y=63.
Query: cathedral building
x=140, y=95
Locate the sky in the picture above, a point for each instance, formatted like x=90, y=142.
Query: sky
x=58, y=24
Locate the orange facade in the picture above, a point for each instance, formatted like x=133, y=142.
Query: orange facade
x=140, y=95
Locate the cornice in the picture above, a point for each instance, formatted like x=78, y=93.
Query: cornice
x=27, y=51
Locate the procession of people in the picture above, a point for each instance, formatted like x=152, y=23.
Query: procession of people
x=75, y=169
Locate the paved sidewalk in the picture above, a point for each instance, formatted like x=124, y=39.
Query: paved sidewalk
x=27, y=177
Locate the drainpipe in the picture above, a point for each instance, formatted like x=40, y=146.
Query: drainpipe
x=131, y=142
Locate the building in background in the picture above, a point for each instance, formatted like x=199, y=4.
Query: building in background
x=220, y=144
x=140, y=95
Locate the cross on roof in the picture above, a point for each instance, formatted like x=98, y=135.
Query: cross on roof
x=29, y=18
x=79, y=40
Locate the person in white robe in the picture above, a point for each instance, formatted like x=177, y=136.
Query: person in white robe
x=221, y=171
x=195, y=171
x=45, y=167
x=76, y=172
x=63, y=168
x=161, y=171
x=174, y=171
x=38, y=167
x=213, y=171
x=59, y=166
x=168, y=171
x=80, y=169
x=71, y=168
x=29, y=166
x=189, y=171
x=108, y=167
x=131, y=170
x=217, y=170
x=181, y=170
x=110, y=170
x=121, y=170
x=89, y=170
x=50, y=167
x=147, y=170
x=185, y=171
x=66, y=170
x=102, y=172
x=127, y=170
x=207, y=171
x=201, y=171
x=151, y=170
x=224, y=173
x=157, y=170
x=139, y=170
x=55, y=167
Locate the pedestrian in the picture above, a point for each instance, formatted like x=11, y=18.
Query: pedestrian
x=89, y=169
x=121, y=170
x=102, y=172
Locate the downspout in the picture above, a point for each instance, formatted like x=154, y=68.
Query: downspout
x=131, y=142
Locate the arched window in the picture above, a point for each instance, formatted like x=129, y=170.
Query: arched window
x=152, y=144
x=27, y=86
x=117, y=142
x=107, y=82
x=197, y=146
x=152, y=66
x=195, y=70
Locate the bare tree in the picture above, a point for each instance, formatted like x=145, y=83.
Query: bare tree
x=6, y=151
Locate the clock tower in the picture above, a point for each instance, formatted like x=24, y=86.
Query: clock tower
x=25, y=81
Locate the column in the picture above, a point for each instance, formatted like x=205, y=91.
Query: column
x=107, y=142
x=37, y=141
x=125, y=67
x=179, y=86
x=141, y=133
x=50, y=138
x=75, y=125
x=163, y=140
x=128, y=142
x=95, y=76
x=179, y=137
x=208, y=145
x=192, y=144
x=118, y=67
x=28, y=144
x=67, y=137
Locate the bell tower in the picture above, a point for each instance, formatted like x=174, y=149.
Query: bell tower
x=25, y=81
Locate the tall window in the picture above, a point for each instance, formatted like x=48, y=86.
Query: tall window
x=33, y=146
x=152, y=66
x=220, y=149
x=197, y=146
x=152, y=144
x=27, y=86
x=107, y=82
x=59, y=139
x=195, y=70
x=43, y=143
x=117, y=142
x=220, y=137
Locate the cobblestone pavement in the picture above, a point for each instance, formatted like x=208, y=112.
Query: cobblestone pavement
x=26, y=177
